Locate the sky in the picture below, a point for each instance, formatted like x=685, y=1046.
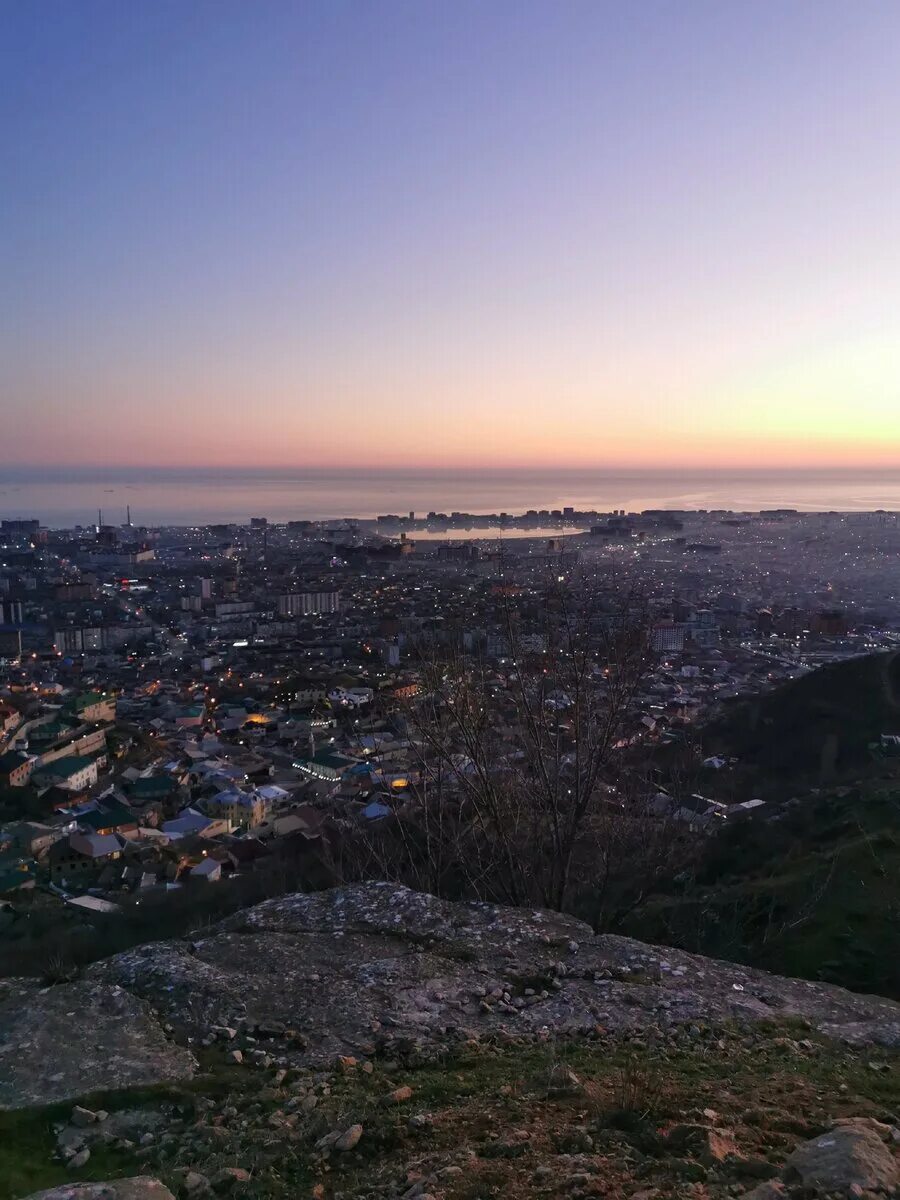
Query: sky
x=479, y=233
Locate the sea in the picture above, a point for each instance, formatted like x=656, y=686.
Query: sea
x=186, y=496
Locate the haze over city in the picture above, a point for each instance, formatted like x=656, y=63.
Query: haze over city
x=447, y=235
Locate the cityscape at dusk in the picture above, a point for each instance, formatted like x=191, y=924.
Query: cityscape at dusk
x=450, y=600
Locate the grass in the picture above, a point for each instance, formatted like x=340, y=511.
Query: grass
x=631, y=1096
x=814, y=894
x=487, y=1108
x=27, y=1144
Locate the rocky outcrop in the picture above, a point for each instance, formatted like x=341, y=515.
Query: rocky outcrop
x=60, y=1042
x=334, y=969
x=305, y=978
x=140, y=1187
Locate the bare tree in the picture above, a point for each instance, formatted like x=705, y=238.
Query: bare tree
x=525, y=791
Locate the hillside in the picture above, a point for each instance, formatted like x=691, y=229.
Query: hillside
x=818, y=727
x=808, y=885
x=375, y=1042
x=815, y=893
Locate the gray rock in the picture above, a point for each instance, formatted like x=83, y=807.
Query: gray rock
x=349, y=1138
x=409, y=965
x=851, y=1155
x=119, y=1044
x=138, y=1187
x=563, y=1081
x=341, y=1139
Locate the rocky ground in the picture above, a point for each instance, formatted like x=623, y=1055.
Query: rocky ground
x=374, y=1043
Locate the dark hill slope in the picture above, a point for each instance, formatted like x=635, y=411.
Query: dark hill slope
x=818, y=726
x=810, y=885
x=815, y=893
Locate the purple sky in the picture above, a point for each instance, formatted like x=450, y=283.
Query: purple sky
x=450, y=233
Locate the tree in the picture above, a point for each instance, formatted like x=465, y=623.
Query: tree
x=526, y=789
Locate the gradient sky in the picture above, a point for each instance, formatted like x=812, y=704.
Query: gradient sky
x=416, y=232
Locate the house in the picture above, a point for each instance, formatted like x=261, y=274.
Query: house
x=94, y=706
x=191, y=717
x=73, y=772
x=273, y=793
x=191, y=823
x=239, y=808
x=16, y=875
x=354, y=697
x=244, y=851
x=84, y=854
x=33, y=838
x=106, y=815
x=150, y=788
x=9, y=719
x=15, y=768
x=326, y=764
x=208, y=870
x=93, y=904
x=699, y=813
x=303, y=821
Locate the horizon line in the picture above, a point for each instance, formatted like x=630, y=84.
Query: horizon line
x=466, y=468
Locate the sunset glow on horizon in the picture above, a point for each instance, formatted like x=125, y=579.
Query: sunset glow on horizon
x=413, y=234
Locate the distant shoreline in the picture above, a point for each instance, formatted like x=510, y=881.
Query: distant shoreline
x=186, y=497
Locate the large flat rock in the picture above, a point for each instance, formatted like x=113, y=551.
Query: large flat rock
x=57, y=1043
x=342, y=966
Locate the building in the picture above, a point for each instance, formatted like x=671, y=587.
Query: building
x=207, y=870
x=83, y=854
x=191, y=718
x=667, y=637
x=67, y=641
x=19, y=528
x=11, y=612
x=94, y=706
x=73, y=772
x=10, y=719
x=10, y=643
x=238, y=808
x=304, y=604
x=233, y=608
x=15, y=768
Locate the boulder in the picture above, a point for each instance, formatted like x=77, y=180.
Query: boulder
x=138, y=1187
x=850, y=1155
x=340, y=1139
x=58, y=1043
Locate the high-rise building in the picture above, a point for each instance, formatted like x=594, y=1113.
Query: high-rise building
x=18, y=528
x=303, y=604
x=11, y=612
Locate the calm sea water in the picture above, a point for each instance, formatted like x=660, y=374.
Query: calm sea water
x=187, y=497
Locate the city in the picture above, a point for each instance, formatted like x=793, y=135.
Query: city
x=183, y=706
x=449, y=600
